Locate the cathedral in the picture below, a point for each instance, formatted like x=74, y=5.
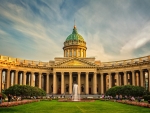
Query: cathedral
x=58, y=76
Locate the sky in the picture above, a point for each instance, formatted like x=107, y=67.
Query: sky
x=37, y=29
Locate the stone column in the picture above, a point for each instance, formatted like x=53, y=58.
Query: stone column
x=71, y=52
x=125, y=78
x=24, y=78
x=79, y=84
x=102, y=83
x=137, y=78
x=40, y=81
x=95, y=83
x=87, y=83
x=0, y=80
x=133, y=78
x=110, y=80
x=47, y=83
x=70, y=83
x=62, y=82
x=76, y=52
x=8, y=79
x=141, y=77
x=54, y=83
x=16, y=77
x=149, y=80
x=117, y=78
x=31, y=79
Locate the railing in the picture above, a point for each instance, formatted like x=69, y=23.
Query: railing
x=18, y=61
x=127, y=62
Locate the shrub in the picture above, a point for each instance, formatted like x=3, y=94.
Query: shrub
x=24, y=90
x=146, y=97
x=127, y=90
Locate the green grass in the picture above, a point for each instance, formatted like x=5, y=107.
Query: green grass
x=75, y=107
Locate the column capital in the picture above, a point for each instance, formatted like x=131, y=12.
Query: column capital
x=132, y=71
x=40, y=73
x=70, y=72
x=8, y=69
x=16, y=70
x=117, y=72
x=140, y=69
x=87, y=72
x=54, y=72
x=62, y=72
x=124, y=71
x=32, y=72
x=101, y=73
x=79, y=72
x=95, y=72
x=24, y=71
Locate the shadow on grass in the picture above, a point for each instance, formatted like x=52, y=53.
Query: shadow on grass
x=8, y=109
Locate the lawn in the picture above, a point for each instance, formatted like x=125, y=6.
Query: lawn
x=75, y=107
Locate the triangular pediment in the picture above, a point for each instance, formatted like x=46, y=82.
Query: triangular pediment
x=75, y=62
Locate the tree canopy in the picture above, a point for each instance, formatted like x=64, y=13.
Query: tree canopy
x=127, y=90
x=24, y=90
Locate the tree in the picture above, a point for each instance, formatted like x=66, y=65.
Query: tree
x=24, y=90
x=127, y=90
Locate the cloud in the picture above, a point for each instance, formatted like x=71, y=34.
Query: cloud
x=137, y=41
x=113, y=30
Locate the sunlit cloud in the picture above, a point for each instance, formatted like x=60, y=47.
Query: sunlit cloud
x=36, y=30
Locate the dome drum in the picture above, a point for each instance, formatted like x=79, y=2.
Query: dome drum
x=74, y=42
x=75, y=46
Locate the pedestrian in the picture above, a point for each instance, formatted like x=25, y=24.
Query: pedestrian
x=0, y=98
x=9, y=97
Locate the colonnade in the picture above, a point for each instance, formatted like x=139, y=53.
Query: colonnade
x=75, y=52
x=88, y=82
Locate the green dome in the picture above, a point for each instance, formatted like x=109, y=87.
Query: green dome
x=75, y=36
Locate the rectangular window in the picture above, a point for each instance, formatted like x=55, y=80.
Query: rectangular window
x=74, y=53
x=70, y=53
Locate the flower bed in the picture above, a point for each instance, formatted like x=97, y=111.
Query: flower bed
x=142, y=104
x=16, y=103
